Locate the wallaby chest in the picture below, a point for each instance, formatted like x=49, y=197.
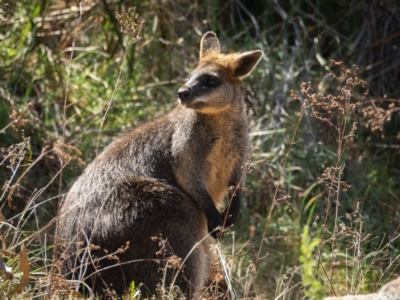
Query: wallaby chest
x=226, y=156
x=211, y=147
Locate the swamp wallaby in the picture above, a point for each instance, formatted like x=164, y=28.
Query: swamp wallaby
x=167, y=179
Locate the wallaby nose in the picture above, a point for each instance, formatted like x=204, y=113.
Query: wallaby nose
x=184, y=93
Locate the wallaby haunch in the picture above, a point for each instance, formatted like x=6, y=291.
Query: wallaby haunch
x=167, y=179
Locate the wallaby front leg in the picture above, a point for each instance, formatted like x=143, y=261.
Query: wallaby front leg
x=234, y=197
x=214, y=217
x=232, y=210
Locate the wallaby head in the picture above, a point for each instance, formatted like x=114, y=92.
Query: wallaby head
x=214, y=85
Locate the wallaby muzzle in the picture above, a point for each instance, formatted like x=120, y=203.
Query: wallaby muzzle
x=185, y=94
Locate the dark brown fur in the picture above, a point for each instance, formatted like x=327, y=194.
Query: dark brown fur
x=165, y=178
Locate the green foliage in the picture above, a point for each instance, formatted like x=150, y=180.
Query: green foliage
x=313, y=286
x=134, y=294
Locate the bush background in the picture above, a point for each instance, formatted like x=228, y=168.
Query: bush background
x=59, y=65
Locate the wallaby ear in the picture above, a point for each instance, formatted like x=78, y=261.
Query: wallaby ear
x=246, y=62
x=209, y=42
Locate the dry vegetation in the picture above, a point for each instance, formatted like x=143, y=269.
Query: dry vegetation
x=322, y=212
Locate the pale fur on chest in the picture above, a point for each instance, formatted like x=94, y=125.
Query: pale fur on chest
x=223, y=155
x=226, y=154
x=221, y=162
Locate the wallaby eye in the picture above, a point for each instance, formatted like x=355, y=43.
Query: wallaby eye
x=211, y=81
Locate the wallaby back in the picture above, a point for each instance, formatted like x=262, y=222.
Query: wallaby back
x=166, y=179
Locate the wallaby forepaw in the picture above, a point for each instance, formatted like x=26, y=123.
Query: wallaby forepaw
x=217, y=233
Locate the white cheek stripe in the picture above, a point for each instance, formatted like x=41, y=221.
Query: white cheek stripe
x=199, y=100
